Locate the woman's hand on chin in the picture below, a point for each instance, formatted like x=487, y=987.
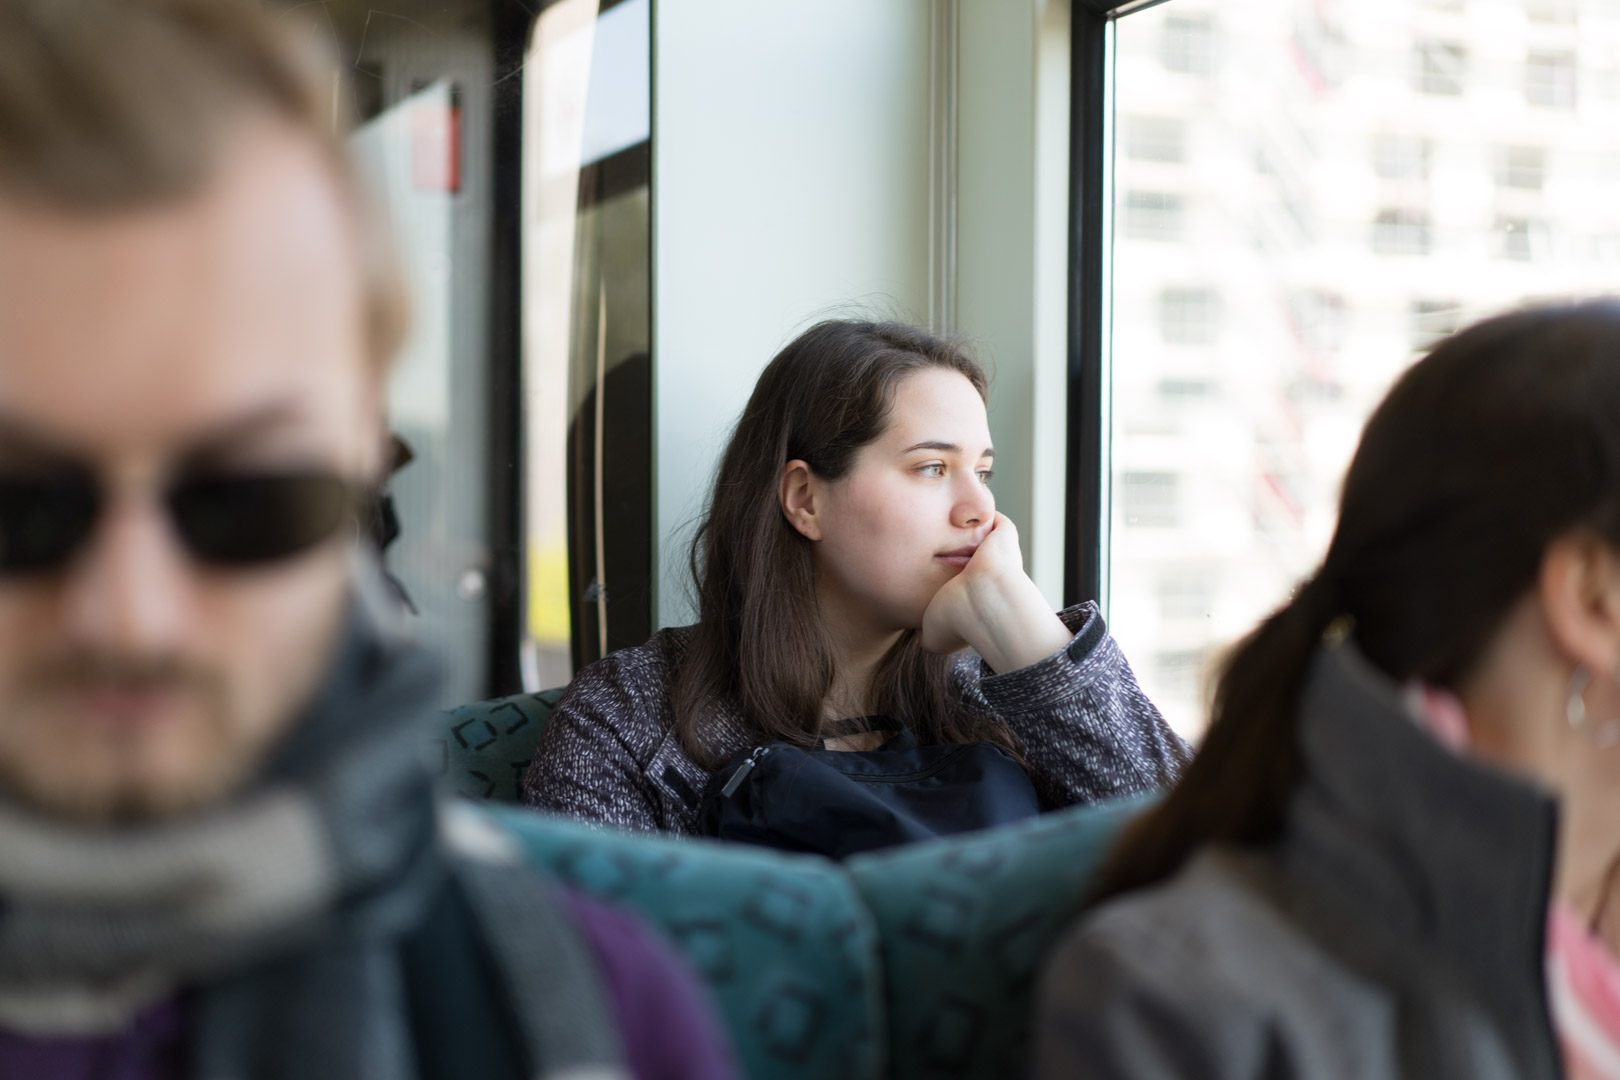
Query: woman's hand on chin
x=995, y=608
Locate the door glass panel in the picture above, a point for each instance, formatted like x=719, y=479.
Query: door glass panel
x=420, y=76
x=1310, y=193
x=587, y=335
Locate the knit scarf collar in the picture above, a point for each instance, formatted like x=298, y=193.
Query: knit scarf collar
x=96, y=924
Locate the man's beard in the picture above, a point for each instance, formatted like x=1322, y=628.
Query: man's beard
x=66, y=765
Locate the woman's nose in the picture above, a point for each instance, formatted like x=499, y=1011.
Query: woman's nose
x=974, y=505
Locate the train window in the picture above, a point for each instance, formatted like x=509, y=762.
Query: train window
x=425, y=88
x=587, y=346
x=511, y=142
x=1296, y=223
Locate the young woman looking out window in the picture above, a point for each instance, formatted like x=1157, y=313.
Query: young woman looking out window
x=850, y=552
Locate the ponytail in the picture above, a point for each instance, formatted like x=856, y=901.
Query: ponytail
x=1484, y=452
x=1238, y=786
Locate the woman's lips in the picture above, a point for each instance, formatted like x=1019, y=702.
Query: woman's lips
x=958, y=558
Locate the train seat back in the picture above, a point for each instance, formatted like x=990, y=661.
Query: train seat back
x=784, y=942
x=915, y=962
x=482, y=749
x=964, y=924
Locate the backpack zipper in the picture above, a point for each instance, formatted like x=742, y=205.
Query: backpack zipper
x=759, y=753
x=906, y=778
x=742, y=771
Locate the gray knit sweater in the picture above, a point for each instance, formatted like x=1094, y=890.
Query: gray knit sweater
x=609, y=754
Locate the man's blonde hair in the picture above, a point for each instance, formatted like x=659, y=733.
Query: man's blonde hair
x=109, y=105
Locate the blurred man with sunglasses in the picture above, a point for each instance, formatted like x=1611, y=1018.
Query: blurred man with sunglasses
x=219, y=854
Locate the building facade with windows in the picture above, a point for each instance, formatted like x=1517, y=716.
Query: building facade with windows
x=1310, y=194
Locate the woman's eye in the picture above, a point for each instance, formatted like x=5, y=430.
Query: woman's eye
x=935, y=470
x=985, y=475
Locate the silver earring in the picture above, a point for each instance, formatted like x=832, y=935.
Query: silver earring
x=1575, y=707
x=1604, y=735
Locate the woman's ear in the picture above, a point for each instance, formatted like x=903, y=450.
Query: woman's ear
x=797, y=493
x=1579, y=590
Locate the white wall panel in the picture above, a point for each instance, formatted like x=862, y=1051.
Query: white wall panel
x=790, y=158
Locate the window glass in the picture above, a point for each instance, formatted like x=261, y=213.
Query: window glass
x=423, y=91
x=1309, y=194
x=587, y=364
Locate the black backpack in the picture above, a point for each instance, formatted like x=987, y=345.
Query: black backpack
x=842, y=802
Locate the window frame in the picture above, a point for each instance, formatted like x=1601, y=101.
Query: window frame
x=506, y=478
x=504, y=675
x=1087, y=484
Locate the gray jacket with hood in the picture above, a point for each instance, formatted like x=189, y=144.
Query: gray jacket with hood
x=1395, y=930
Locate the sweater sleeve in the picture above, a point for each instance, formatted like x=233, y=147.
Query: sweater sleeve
x=585, y=765
x=1086, y=725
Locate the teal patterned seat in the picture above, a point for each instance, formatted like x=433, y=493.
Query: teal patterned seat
x=964, y=924
x=916, y=962
x=483, y=749
x=783, y=941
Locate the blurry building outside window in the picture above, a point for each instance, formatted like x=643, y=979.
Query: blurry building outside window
x=1549, y=79
x=1561, y=12
x=1432, y=321
x=1189, y=316
x=1523, y=167
x=1521, y=239
x=1401, y=232
x=1150, y=499
x=1441, y=67
x=1179, y=390
x=1153, y=215
x=1350, y=183
x=1156, y=138
x=1187, y=44
x=1402, y=157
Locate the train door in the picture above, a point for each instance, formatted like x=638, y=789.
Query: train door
x=510, y=142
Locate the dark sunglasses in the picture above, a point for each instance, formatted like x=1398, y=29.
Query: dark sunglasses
x=223, y=519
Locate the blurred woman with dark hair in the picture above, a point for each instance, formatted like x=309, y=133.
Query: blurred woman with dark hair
x=1395, y=852
x=850, y=551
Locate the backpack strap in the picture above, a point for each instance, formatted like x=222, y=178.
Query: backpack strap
x=460, y=1021
x=543, y=969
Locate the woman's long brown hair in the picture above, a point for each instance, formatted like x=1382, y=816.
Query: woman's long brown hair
x=1503, y=439
x=760, y=644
